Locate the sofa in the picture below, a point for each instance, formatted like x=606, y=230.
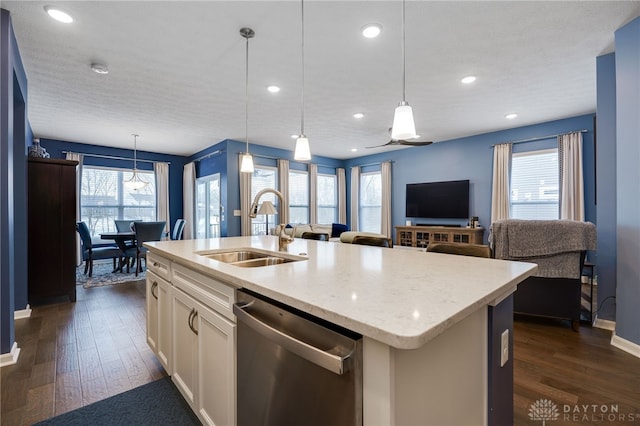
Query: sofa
x=334, y=230
x=559, y=248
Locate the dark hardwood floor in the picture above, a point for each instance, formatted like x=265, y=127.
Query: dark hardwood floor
x=74, y=354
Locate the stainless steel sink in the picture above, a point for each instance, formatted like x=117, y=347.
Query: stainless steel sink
x=265, y=261
x=247, y=258
x=235, y=256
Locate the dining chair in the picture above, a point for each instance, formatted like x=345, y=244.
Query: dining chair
x=145, y=231
x=177, y=229
x=315, y=236
x=367, y=240
x=476, y=250
x=90, y=253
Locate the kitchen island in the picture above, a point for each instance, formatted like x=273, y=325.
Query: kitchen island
x=433, y=325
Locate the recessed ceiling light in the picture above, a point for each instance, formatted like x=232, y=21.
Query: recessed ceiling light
x=58, y=14
x=273, y=89
x=510, y=116
x=358, y=115
x=468, y=79
x=371, y=30
x=99, y=68
x=294, y=136
x=354, y=149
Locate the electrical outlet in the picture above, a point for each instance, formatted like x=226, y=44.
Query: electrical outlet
x=504, y=348
x=237, y=213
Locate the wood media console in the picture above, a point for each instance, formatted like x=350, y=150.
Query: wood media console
x=421, y=236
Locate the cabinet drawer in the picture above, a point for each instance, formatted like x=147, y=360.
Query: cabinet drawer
x=211, y=292
x=159, y=265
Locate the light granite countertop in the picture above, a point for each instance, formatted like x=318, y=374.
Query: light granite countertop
x=402, y=297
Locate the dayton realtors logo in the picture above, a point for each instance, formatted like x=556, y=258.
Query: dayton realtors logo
x=546, y=410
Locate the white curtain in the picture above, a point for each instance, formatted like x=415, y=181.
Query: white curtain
x=245, y=201
x=74, y=156
x=571, y=178
x=385, y=216
x=313, y=193
x=500, y=190
x=355, y=197
x=342, y=195
x=283, y=187
x=189, y=200
x=162, y=193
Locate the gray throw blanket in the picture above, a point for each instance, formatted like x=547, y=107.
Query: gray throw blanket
x=555, y=245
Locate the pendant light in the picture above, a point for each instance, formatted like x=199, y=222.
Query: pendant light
x=136, y=182
x=403, y=125
x=246, y=163
x=302, y=152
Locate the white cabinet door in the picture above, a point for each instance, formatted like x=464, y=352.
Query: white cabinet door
x=185, y=346
x=159, y=318
x=216, y=368
x=165, y=325
x=152, y=313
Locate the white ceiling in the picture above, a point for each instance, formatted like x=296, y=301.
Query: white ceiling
x=177, y=70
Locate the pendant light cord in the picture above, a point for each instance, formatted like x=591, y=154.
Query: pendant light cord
x=246, y=96
x=403, y=57
x=135, y=149
x=302, y=61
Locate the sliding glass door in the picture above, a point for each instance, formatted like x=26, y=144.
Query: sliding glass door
x=208, y=206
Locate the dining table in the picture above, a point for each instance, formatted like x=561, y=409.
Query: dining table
x=121, y=239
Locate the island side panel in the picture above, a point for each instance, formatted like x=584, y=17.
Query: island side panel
x=501, y=370
x=443, y=382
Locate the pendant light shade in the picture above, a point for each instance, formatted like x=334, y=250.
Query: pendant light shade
x=246, y=163
x=403, y=125
x=136, y=182
x=302, y=151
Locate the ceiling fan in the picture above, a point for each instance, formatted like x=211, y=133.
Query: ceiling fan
x=407, y=142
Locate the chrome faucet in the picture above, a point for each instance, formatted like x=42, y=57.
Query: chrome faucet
x=283, y=238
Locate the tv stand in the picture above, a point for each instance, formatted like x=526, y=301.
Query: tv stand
x=422, y=235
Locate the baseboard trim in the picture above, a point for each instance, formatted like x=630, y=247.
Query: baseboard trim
x=22, y=313
x=625, y=345
x=11, y=357
x=604, y=324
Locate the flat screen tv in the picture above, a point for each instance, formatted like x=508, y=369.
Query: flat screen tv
x=438, y=200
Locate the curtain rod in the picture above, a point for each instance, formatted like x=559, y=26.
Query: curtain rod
x=113, y=157
x=211, y=154
x=374, y=164
x=301, y=162
x=544, y=137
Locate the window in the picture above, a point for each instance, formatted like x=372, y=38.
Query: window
x=370, y=202
x=264, y=177
x=327, y=199
x=535, y=185
x=104, y=198
x=298, y=197
x=208, y=207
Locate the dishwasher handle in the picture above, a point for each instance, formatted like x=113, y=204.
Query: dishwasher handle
x=334, y=363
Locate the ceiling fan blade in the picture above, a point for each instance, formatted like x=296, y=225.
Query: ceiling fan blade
x=384, y=144
x=413, y=143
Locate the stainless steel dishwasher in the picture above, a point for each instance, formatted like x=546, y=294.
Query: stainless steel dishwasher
x=294, y=369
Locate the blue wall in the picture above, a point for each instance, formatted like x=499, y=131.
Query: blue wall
x=606, y=185
x=628, y=179
x=55, y=148
x=228, y=166
x=14, y=129
x=472, y=158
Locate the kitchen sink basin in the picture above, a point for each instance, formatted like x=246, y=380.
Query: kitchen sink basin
x=235, y=256
x=247, y=258
x=265, y=261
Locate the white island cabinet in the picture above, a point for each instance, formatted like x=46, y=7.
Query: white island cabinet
x=437, y=329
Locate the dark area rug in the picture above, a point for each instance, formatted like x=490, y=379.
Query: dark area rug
x=156, y=403
x=103, y=275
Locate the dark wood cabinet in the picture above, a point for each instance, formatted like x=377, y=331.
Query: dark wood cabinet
x=51, y=233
